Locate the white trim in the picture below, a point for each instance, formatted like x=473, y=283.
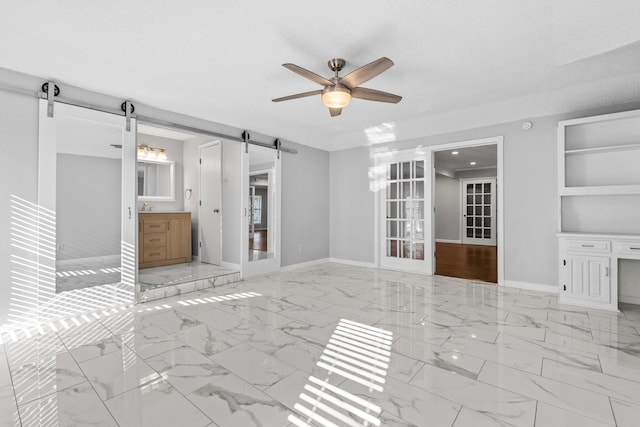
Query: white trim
x=531, y=286
x=353, y=263
x=304, y=264
x=448, y=241
x=587, y=304
x=230, y=265
x=629, y=299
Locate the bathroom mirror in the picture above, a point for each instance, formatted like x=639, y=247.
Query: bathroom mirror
x=156, y=180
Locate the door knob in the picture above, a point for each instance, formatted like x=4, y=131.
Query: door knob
x=216, y=210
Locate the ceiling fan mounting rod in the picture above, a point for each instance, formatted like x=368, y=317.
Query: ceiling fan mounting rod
x=336, y=64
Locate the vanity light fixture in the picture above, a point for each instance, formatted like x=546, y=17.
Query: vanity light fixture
x=472, y=163
x=151, y=153
x=454, y=153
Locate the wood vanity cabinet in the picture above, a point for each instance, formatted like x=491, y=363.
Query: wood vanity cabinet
x=164, y=238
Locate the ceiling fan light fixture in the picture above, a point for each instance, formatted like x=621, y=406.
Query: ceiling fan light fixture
x=337, y=96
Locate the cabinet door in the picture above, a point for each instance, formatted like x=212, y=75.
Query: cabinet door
x=175, y=246
x=588, y=278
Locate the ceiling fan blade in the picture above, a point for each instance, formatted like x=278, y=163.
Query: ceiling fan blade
x=335, y=111
x=299, y=95
x=374, y=95
x=366, y=72
x=308, y=74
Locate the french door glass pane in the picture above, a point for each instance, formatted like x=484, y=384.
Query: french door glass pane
x=406, y=170
x=393, y=172
x=405, y=210
x=418, y=189
x=392, y=209
x=392, y=229
x=392, y=191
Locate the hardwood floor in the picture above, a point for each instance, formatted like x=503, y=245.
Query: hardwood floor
x=472, y=262
x=258, y=240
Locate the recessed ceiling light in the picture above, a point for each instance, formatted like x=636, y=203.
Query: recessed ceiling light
x=454, y=153
x=472, y=163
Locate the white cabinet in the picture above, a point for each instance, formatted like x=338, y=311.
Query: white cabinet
x=587, y=278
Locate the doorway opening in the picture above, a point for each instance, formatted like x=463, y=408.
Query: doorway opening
x=466, y=210
x=179, y=212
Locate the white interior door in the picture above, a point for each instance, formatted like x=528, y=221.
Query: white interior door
x=209, y=216
x=479, y=211
x=265, y=160
x=405, y=225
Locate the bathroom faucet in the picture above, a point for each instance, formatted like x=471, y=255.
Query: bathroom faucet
x=144, y=206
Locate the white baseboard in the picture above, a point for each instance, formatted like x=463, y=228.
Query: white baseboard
x=531, y=286
x=629, y=299
x=230, y=265
x=304, y=264
x=448, y=241
x=351, y=262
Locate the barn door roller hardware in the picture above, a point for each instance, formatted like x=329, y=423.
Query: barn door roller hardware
x=50, y=95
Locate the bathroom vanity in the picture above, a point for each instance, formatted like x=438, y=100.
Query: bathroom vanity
x=164, y=238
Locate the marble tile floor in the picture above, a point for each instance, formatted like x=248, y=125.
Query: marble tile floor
x=294, y=347
x=87, y=272
x=179, y=273
x=158, y=283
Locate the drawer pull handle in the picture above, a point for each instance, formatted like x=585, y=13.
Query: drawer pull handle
x=154, y=225
x=155, y=253
x=154, y=240
x=587, y=246
x=634, y=248
x=606, y=272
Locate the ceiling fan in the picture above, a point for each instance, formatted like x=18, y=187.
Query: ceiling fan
x=338, y=91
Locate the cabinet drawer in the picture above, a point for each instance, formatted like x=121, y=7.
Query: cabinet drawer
x=154, y=254
x=155, y=226
x=154, y=240
x=629, y=247
x=602, y=246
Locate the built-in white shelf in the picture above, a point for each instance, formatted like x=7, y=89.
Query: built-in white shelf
x=598, y=205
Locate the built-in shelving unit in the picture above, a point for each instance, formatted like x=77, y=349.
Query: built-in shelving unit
x=599, y=205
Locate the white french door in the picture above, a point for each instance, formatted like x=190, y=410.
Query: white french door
x=404, y=233
x=479, y=211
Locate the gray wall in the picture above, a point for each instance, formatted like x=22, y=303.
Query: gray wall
x=88, y=200
x=352, y=206
x=305, y=205
x=447, y=203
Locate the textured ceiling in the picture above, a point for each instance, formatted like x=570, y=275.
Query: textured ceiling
x=458, y=64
